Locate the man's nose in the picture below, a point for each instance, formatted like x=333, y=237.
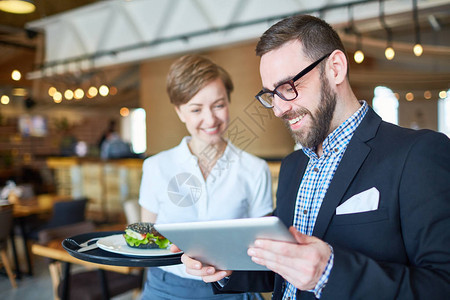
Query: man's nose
x=280, y=106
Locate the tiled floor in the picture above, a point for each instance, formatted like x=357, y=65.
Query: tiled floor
x=36, y=287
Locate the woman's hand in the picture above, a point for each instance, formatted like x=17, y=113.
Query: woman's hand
x=196, y=268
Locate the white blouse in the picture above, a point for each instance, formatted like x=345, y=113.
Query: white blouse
x=173, y=187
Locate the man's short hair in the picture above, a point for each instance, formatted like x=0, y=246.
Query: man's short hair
x=317, y=36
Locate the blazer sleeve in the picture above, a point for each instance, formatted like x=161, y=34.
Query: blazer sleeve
x=424, y=198
x=247, y=281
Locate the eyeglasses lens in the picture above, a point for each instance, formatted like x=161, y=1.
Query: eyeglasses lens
x=285, y=91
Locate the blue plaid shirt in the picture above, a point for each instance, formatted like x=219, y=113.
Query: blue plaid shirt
x=315, y=183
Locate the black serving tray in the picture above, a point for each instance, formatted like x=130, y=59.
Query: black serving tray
x=100, y=256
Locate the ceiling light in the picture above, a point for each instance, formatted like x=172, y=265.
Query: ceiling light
x=16, y=75
x=92, y=92
x=418, y=49
x=78, y=94
x=359, y=56
x=103, y=90
x=427, y=95
x=68, y=94
x=409, y=96
x=57, y=97
x=389, y=52
x=4, y=100
x=51, y=91
x=113, y=91
x=124, y=112
x=17, y=6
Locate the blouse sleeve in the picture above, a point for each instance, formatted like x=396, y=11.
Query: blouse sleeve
x=261, y=202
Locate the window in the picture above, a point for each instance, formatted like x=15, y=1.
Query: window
x=385, y=104
x=444, y=114
x=134, y=130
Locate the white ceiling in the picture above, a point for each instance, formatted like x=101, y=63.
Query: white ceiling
x=116, y=31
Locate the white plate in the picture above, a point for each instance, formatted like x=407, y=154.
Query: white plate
x=116, y=244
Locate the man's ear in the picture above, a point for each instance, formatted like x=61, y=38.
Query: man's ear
x=338, y=65
x=180, y=114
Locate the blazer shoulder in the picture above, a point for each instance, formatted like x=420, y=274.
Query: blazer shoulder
x=293, y=159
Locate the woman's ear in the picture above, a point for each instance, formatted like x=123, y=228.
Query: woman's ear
x=338, y=66
x=180, y=114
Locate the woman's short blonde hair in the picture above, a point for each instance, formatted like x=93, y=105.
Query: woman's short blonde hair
x=189, y=74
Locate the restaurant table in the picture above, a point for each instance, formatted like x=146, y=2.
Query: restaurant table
x=23, y=209
x=66, y=251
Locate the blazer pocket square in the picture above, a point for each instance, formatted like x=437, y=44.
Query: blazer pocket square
x=362, y=202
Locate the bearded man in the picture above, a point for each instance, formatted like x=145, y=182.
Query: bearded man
x=368, y=202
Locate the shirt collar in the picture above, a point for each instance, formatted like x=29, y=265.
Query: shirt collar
x=342, y=134
x=183, y=153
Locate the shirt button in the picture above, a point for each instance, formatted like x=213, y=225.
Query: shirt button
x=316, y=169
x=305, y=211
x=336, y=149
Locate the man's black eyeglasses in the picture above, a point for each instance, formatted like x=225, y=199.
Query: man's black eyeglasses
x=286, y=90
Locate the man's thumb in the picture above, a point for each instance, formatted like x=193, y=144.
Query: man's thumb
x=300, y=237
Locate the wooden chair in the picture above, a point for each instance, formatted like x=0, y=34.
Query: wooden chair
x=86, y=284
x=6, y=219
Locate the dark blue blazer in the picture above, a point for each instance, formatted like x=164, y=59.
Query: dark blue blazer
x=399, y=251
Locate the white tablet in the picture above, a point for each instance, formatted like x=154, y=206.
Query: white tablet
x=223, y=244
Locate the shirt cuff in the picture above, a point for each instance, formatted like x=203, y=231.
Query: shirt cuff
x=222, y=282
x=325, y=275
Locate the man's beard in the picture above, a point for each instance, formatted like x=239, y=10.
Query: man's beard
x=321, y=121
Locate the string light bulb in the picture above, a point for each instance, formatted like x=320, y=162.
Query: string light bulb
x=389, y=53
x=358, y=56
x=103, y=90
x=4, y=99
x=51, y=91
x=57, y=97
x=418, y=50
x=78, y=94
x=68, y=94
x=92, y=92
x=124, y=112
x=409, y=96
x=16, y=75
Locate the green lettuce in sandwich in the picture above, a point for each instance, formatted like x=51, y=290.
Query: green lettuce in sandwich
x=143, y=235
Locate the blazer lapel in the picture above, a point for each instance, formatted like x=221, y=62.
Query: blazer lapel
x=352, y=160
x=291, y=174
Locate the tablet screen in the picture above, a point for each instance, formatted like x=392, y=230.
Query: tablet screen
x=224, y=243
